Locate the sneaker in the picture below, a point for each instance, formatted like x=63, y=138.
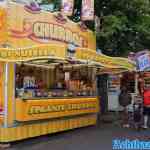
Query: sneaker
x=145, y=127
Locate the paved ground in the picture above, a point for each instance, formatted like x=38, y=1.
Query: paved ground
x=90, y=138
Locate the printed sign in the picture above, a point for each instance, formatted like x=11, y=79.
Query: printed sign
x=113, y=84
x=46, y=109
x=87, y=10
x=143, y=62
x=44, y=32
x=67, y=7
x=37, y=52
x=34, y=27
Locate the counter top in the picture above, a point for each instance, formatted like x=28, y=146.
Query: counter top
x=45, y=98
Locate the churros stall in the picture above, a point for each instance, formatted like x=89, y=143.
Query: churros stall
x=47, y=86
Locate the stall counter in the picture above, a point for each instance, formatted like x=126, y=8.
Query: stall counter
x=40, y=117
x=29, y=110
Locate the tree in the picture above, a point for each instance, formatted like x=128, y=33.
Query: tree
x=125, y=25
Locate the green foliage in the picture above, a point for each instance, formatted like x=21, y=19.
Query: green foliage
x=125, y=25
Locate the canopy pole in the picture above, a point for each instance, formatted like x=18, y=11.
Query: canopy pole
x=136, y=83
x=6, y=96
x=14, y=90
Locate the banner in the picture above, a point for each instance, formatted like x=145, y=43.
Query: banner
x=103, y=60
x=33, y=53
x=40, y=27
x=143, y=60
x=67, y=7
x=47, y=109
x=87, y=10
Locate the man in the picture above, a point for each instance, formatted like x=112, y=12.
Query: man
x=125, y=101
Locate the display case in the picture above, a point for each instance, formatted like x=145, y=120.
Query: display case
x=77, y=82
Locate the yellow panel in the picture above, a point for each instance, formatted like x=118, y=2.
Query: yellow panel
x=44, y=51
x=33, y=130
x=2, y=75
x=11, y=94
x=53, y=108
x=3, y=26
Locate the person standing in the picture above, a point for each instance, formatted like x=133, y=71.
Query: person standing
x=146, y=109
x=125, y=101
x=145, y=93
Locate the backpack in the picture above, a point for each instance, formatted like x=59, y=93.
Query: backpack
x=124, y=99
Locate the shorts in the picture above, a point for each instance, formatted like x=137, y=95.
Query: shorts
x=146, y=111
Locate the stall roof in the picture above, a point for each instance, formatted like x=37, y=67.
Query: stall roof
x=60, y=53
x=105, y=61
x=111, y=71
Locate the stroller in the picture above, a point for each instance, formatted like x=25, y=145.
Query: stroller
x=136, y=116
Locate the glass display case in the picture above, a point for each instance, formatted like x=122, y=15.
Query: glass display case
x=54, y=82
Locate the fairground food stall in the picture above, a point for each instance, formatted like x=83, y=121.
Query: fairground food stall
x=44, y=86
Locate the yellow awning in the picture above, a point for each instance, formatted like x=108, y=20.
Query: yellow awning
x=52, y=51
x=105, y=61
x=32, y=53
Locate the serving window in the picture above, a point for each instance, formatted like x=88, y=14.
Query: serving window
x=54, y=80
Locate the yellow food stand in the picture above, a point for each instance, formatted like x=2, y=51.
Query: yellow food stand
x=44, y=87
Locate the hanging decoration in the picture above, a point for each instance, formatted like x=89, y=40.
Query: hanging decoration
x=67, y=7
x=3, y=3
x=87, y=10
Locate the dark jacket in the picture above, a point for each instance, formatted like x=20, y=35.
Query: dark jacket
x=124, y=98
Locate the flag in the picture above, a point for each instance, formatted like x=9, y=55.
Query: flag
x=87, y=10
x=3, y=3
x=67, y=7
x=97, y=24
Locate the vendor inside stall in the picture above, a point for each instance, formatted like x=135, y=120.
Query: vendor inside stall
x=54, y=80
